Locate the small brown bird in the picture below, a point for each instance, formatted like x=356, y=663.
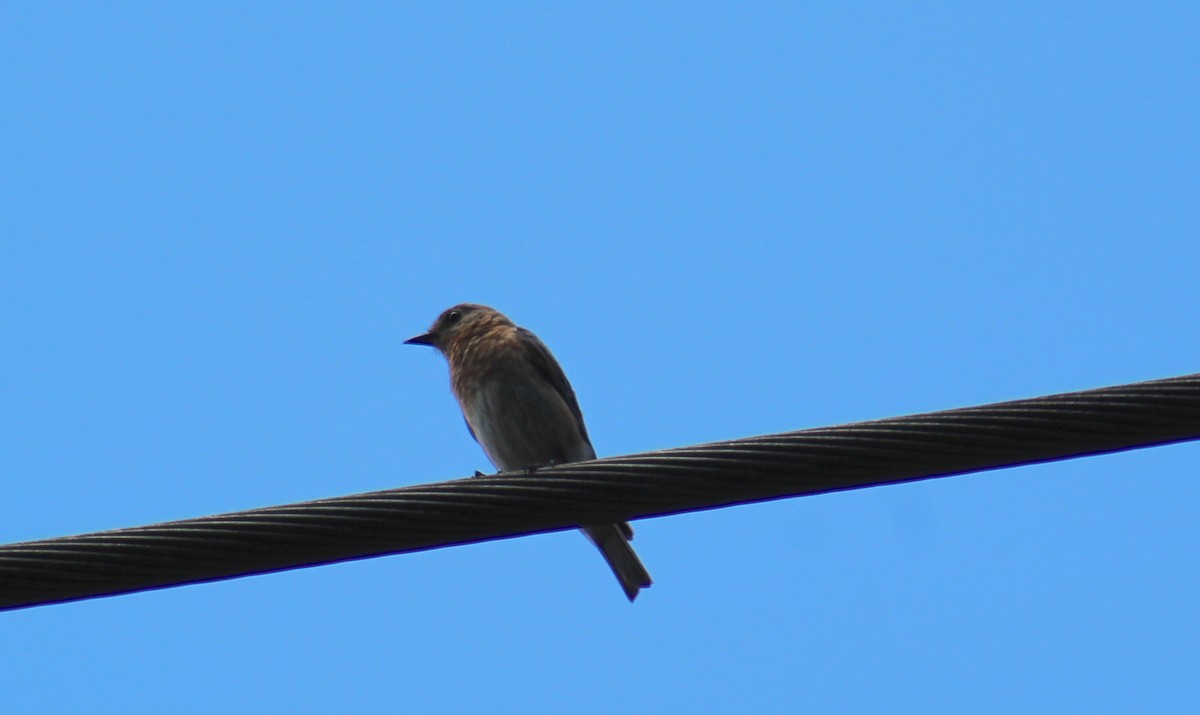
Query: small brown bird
x=520, y=408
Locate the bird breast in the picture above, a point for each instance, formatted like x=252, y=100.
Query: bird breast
x=523, y=422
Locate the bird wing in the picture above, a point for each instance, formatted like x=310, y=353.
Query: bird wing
x=548, y=368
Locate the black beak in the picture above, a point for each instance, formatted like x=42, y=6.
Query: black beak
x=423, y=339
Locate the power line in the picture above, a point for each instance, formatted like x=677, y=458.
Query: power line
x=710, y=476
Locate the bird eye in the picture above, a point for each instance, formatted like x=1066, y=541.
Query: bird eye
x=454, y=316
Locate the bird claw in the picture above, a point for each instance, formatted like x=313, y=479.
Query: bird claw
x=534, y=467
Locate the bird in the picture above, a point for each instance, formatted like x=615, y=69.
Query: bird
x=520, y=408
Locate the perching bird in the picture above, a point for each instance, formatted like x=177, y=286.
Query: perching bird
x=520, y=408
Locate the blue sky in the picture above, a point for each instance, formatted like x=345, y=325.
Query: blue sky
x=221, y=220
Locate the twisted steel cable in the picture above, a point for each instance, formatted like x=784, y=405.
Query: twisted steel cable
x=709, y=476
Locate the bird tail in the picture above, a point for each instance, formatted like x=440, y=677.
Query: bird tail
x=613, y=542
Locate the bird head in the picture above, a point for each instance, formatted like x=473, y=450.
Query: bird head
x=455, y=322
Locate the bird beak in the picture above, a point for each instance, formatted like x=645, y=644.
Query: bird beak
x=423, y=339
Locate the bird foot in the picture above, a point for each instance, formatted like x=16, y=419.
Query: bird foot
x=534, y=467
